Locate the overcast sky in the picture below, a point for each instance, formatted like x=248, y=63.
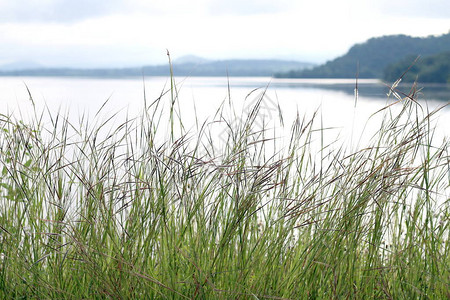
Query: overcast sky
x=116, y=33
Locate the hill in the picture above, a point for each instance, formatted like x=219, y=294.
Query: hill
x=237, y=67
x=374, y=56
x=432, y=68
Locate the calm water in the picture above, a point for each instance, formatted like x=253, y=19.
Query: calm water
x=199, y=98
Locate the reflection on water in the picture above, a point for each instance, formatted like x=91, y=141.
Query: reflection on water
x=377, y=89
x=372, y=88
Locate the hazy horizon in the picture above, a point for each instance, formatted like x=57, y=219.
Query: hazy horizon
x=61, y=33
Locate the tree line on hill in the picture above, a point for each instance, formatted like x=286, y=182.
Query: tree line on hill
x=388, y=57
x=427, y=69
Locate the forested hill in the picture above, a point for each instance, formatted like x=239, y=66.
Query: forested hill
x=374, y=56
x=433, y=68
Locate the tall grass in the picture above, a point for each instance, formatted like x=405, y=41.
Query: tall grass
x=143, y=210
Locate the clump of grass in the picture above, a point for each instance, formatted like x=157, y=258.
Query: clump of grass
x=138, y=211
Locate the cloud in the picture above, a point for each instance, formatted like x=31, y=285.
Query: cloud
x=60, y=11
x=248, y=7
x=415, y=8
x=72, y=11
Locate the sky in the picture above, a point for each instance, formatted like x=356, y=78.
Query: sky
x=119, y=33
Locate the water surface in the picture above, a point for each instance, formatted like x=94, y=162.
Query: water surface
x=198, y=98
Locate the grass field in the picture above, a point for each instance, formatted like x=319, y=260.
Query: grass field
x=145, y=209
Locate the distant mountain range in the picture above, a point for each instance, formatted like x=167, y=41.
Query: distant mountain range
x=376, y=59
x=184, y=66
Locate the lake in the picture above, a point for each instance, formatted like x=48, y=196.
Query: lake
x=200, y=97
